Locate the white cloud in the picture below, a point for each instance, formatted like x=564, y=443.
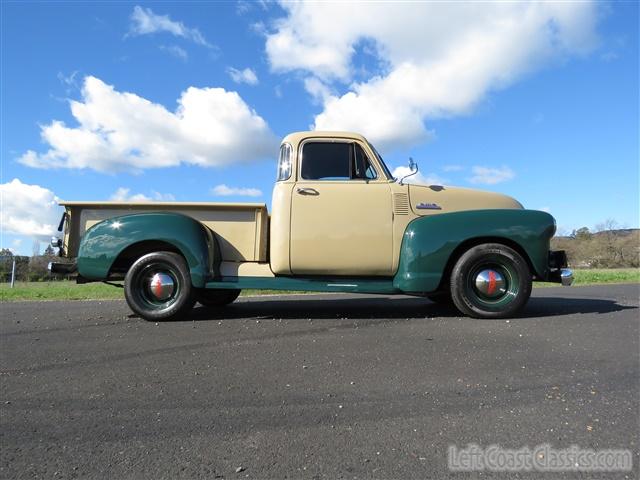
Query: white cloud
x=453, y=168
x=225, y=191
x=438, y=58
x=122, y=131
x=419, y=178
x=491, y=176
x=317, y=89
x=176, y=51
x=29, y=210
x=247, y=76
x=123, y=194
x=144, y=22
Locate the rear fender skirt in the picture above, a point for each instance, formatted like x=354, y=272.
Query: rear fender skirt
x=103, y=242
x=429, y=242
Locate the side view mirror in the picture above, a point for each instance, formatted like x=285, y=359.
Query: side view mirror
x=413, y=169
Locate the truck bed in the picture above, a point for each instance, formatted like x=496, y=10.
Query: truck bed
x=241, y=228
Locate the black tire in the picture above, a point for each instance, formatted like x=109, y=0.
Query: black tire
x=511, y=279
x=210, y=297
x=441, y=298
x=141, y=292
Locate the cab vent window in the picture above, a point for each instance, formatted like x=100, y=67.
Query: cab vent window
x=362, y=168
x=284, y=163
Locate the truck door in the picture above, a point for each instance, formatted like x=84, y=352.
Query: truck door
x=341, y=212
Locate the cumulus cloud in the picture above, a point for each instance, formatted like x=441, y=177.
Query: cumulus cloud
x=491, y=176
x=438, y=58
x=419, y=178
x=223, y=190
x=123, y=194
x=247, y=76
x=317, y=89
x=29, y=210
x=123, y=131
x=145, y=22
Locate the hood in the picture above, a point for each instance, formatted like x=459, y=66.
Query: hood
x=430, y=199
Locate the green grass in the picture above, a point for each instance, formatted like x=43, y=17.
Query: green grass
x=69, y=290
x=597, y=276
x=60, y=290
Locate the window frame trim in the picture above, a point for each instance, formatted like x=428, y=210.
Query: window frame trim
x=357, y=181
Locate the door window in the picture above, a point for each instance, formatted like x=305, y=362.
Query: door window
x=335, y=161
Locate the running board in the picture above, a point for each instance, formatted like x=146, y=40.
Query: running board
x=308, y=284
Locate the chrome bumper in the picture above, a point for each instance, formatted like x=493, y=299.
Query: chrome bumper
x=566, y=277
x=558, y=271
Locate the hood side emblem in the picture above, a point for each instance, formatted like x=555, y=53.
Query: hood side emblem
x=428, y=206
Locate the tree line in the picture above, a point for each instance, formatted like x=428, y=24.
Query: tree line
x=606, y=247
x=28, y=269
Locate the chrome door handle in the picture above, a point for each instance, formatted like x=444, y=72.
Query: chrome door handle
x=307, y=191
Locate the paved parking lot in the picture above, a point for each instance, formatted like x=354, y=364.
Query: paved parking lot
x=333, y=386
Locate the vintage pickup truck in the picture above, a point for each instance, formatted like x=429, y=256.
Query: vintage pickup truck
x=340, y=223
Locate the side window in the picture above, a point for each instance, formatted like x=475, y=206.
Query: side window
x=326, y=161
x=335, y=161
x=284, y=163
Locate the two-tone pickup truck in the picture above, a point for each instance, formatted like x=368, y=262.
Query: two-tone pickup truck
x=339, y=223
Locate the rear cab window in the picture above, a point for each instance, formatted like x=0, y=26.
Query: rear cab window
x=284, y=162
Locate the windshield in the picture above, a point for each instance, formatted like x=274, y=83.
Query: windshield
x=381, y=161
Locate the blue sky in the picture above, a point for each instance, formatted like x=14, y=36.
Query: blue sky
x=539, y=101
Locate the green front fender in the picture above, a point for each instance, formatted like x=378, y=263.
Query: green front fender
x=429, y=242
x=104, y=242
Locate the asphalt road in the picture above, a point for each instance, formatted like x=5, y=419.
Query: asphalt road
x=331, y=386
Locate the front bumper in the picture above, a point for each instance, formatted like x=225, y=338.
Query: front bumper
x=558, y=271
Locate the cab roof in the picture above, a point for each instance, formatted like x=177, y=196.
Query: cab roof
x=297, y=137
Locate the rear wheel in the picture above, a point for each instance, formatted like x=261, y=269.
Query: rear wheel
x=158, y=287
x=490, y=281
x=216, y=298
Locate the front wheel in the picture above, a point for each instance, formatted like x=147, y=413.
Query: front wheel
x=490, y=281
x=158, y=287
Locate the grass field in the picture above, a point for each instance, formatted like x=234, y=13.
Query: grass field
x=68, y=290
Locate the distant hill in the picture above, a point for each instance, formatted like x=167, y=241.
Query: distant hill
x=616, y=248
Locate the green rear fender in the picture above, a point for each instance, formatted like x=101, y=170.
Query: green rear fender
x=104, y=242
x=429, y=242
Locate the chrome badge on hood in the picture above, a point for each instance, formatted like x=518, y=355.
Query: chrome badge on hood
x=428, y=206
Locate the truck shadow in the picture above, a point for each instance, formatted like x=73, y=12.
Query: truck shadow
x=304, y=308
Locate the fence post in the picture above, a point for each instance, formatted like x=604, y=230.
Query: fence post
x=13, y=272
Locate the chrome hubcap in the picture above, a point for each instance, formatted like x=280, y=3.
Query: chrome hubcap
x=161, y=286
x=491, y=283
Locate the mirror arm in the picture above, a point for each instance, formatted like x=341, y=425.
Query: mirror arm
x=414, y=169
